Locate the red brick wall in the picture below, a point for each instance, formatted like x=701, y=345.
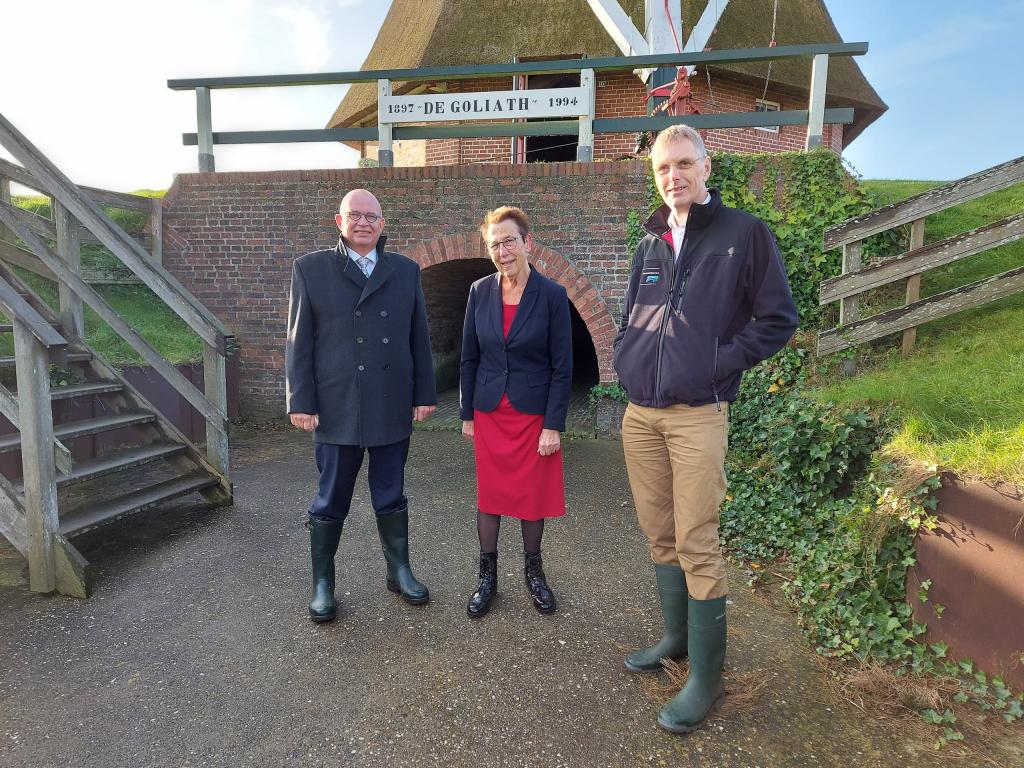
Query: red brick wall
x=231, y=238
x=621, y=94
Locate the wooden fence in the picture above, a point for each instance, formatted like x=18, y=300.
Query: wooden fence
x=70, y=236
x=857, y=278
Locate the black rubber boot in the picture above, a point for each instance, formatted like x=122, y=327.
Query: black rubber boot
x=480, y=602
x=704, y=687
x=394, y=539
x=536, y=582
x=672, y=592
x=323, y=544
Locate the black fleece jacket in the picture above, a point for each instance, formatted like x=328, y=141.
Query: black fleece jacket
x=691, y=327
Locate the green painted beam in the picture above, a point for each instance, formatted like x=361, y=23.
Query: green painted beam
x=542, y=128
x=608, y=64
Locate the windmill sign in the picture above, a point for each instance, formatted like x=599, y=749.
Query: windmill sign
x=489, y=105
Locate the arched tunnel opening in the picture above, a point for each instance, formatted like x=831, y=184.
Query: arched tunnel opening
x=446, y=289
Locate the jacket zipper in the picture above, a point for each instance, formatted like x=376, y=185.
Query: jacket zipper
x=714, y=379
x=665, y=317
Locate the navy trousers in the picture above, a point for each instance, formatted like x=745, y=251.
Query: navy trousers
x=339, y=466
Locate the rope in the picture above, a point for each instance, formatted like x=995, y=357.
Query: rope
x=772, y=44
x=672, y=26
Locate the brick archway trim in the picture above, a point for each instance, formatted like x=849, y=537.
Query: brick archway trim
x=582, y=293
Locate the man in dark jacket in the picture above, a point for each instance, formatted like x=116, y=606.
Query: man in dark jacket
x=359, y=371
x=707, y=299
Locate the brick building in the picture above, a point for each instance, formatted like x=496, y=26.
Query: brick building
x=434, y=33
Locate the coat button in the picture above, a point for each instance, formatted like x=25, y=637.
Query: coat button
x=504, y=373
x=361, y=368
x=387, y=367
x=383, y=313
x=359, y=340
x=359, y=313
x=385, y=340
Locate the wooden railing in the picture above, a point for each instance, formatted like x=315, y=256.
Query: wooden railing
x=39, y=342
x=857, y=278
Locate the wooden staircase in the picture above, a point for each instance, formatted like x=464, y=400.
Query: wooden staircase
x=145, y=460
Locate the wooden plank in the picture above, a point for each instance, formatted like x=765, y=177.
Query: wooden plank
x=156, y=226
x=913, y=284
x=5, y=197
x=816, y=106
x=935, y=255
x=69, y=249
x=13, y=525
x=159, y=280
x=14, y=306
x=71, y=430
x=84, y=390
x=105, y=197
x=932, y=308
x=36, y=439
x=38, y=224
x=215, y=384
x=73, y=571
x=849, y=309
x=171, y=374
x=204, y=126
x=934, y=200
x=72, y=357
x=19, y=257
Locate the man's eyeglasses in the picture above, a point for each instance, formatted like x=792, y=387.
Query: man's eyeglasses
x=509, y=243
x=369, y=218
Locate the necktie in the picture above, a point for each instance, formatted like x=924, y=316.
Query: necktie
x=364, y=264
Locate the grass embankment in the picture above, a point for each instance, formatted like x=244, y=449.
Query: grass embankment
x=138, y=305
x=958, y=400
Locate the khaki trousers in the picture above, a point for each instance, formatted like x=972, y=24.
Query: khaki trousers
x=675, y=459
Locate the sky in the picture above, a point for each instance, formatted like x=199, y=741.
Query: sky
x=87, y=82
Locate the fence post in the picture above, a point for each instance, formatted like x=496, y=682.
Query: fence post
x=204, y=129
x=816, y=108
x=913, y=284
x=215, y=387
x=585, y=147
x=72, y=317
x=36, y=427
x=156, y=226
x=385, y=150
x=5, y=197
x=849, y=308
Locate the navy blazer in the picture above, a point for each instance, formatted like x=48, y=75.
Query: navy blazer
x=533, y=365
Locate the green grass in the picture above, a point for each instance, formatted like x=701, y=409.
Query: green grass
x=958, y=401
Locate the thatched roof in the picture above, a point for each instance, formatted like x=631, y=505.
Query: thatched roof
x=437, y=33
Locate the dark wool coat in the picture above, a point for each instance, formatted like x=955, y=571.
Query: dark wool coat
x=358, y=349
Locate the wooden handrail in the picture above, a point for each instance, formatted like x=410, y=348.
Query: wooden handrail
x=159, y=280
x=16, y=308
x=107, y=197
x=934, y=200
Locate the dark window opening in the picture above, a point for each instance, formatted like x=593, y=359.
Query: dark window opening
x=552, y=149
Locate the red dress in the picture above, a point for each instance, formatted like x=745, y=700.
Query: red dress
x=511, y=477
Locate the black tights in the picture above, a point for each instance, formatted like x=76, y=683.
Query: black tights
x=487, y=527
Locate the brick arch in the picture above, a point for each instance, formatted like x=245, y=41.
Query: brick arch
x=582, y=293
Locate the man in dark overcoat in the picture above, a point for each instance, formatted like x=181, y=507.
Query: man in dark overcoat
x=359, y=372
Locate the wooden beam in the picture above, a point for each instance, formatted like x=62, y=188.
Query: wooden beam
x=5, y=197
x=19, y=257
x=15, y=307
x=935, y=255
x=40, y=225
x=620, y=27
x=920, y=312
x=156, y=228
x=816, y=107
x=934, y=200
x=913, y=284
x=105, y=197
x=40, y=481
x=9, y=409
x=171, y=374
x=69, y=249
x=73, y=571
x=849, y=309
x=215, y=385
x=13, y=525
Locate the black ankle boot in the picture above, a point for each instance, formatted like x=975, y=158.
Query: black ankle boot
x=393, y=529
x=536, y=582
x=480, y=602
x=323, y=544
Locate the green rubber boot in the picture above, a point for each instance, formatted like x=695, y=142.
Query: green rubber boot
x=704, y=687
x=323, y=545
x=394, y=539
x=672, y=591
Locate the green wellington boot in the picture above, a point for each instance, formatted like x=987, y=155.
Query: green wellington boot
x=394, y=539
x=672, y=591
x=704, y=687
x=323, y=545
